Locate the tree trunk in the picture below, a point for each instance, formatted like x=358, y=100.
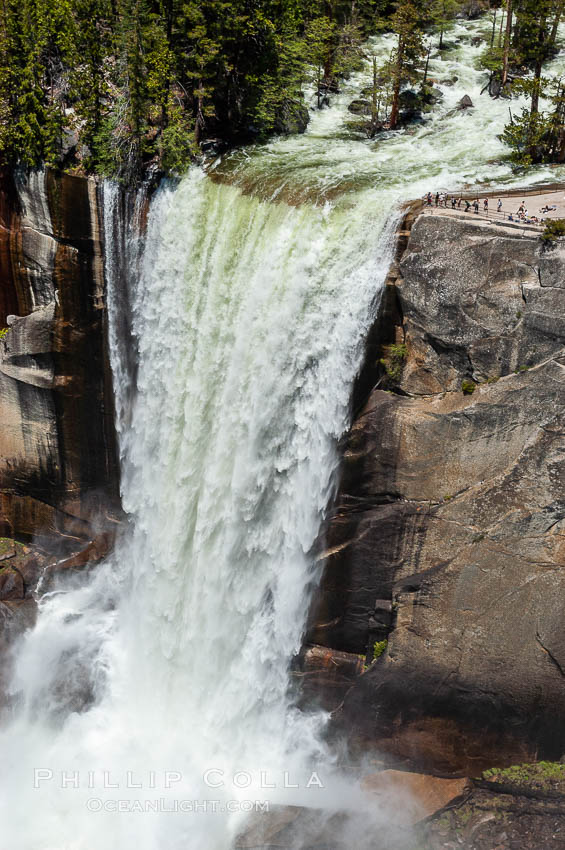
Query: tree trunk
x=199, y=124
x=561, y=154
x=394, y=108
x=424, y=80
x=534, y=109
x=507, y=42
x=441, y=39
x=374, y=107
x=553, y=34
x=493, y=29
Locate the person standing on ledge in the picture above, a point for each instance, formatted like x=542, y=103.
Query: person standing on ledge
x=476, y=206
x=485, y=206
x=499, y=205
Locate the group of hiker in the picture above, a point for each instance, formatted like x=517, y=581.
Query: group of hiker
x=442, y=199
x=524, y=217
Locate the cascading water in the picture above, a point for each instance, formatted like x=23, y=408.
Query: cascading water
x=248, y=300
x=249, y=319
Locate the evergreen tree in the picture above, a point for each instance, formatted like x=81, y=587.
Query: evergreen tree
x=319, y=39
x=443, y=14
x=408, y=22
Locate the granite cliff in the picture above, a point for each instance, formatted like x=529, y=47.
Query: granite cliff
x=59, y=479
x=448, y=536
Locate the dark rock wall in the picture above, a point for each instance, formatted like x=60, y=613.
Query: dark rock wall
x=58, y=467
x=59, y=475
x=448, y=536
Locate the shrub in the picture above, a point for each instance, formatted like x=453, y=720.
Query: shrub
x=378, y=648
x=393, y=361
x=3, y=332
x=553, y=231
x=467, y=386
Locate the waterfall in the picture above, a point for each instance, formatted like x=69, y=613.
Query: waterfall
x=247, y=319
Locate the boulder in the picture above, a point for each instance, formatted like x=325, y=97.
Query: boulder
x=70, y=140
x=327, y=674
x=422, y=795
x=292, y=118
x=434, y=94
x=11, y=584
x=465, y=102
x=360, y=107
x=472, y=9
x=410, y=105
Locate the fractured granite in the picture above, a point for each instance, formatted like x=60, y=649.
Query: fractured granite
x=452, y=507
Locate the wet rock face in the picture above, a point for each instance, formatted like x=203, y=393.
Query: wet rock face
x=59, y=487
x=452, y=507
x=58, y=470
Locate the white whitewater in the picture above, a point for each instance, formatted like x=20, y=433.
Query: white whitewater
x=247, y=324
x=249, y=319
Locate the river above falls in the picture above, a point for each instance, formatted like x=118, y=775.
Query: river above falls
x=448, y=150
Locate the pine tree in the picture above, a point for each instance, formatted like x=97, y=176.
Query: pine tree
x=443, y=14
x=408, y=23
x=319, y=38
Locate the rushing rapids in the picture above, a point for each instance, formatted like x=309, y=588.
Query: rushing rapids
x=166, y=677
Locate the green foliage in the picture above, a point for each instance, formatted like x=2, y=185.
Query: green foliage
x=491, y=58
x=467, y=386
x=406, y=66
x=554, y=230
x=117, y=86
x=542, y=776
x=528, y=137
x=319, y=39
x=443, y=14
x=378, y=648
x=178, y=146
x=533, y=136
x=3, y=332
x=393, y=361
